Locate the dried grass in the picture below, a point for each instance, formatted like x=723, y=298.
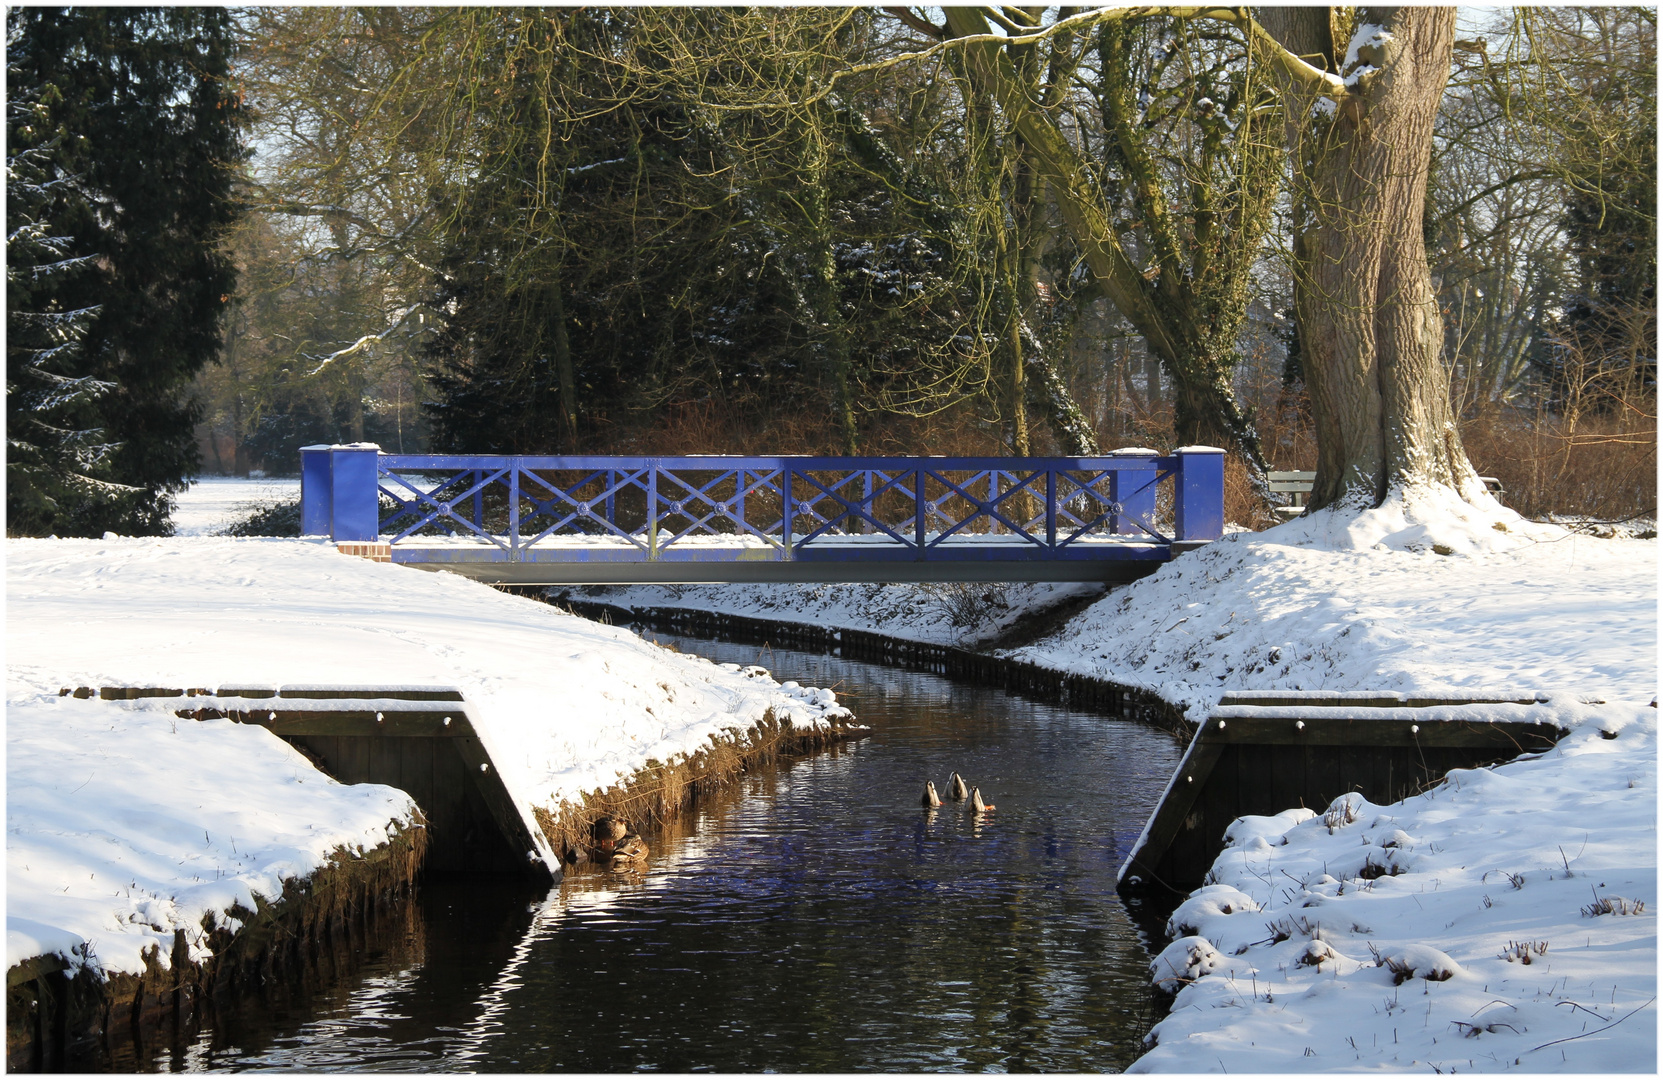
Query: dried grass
x=1599, y=464
x=1373, y=871
x=1602, y=467
x=1614, y=905
x=1344, y=811
x=659, y=792
x=1524, y=952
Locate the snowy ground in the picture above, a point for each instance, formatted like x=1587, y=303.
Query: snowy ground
x=1368, y=604
x=114, y=809
x=1479, y=947
x=934, y=614
x=1426, y=598
x=214, y=502
x=125, y=823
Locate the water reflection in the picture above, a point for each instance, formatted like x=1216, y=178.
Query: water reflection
x=813, y=918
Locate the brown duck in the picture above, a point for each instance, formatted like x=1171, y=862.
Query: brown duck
x=615, y=843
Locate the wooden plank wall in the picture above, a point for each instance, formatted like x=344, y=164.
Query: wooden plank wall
x=1253, y=761
x=417, y=739
x=463, y=836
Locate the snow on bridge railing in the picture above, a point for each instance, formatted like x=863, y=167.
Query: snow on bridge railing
x=1132, y=503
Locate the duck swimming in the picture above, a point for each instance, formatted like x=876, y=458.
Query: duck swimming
x=607, y=831
x=977, y=806
x=931, y=800
x=956, y=787
x=615, y=844
x=631, y=850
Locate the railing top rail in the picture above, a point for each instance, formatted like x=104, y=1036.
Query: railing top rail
x=804, y=463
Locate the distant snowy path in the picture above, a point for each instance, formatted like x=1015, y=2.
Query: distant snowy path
x=213, y=503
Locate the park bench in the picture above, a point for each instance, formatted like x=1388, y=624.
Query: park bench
x=1296, y=484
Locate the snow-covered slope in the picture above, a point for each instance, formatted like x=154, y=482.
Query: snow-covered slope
x=1367, y=603
x=1459, y=929
x=1504, y=920
x=125, y=824
x=1500, y=921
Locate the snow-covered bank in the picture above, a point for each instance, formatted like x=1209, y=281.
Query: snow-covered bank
x=1429, y=599
x=1324, y=603
x=1503, y=920
x=564, y=706
x=125, y=824
x=962, y=615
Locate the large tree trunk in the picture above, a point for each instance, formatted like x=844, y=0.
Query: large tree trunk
x=1369, y=326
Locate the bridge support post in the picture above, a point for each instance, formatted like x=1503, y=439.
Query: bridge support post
x=788, y=511
x=920, y=524
x=338, y=487
x=652, y=509
x=864, y=525
x=1051, y=509
x=514, y=510
x=1198, y=495
x=316, y=491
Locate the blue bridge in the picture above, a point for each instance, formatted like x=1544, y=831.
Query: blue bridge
x=618, y=520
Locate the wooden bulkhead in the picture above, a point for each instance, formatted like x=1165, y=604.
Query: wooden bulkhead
x=1262, y=753
x=417, y=739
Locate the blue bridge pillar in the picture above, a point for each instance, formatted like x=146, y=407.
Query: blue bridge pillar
x=1198, y=495
x=1134, y=491
x=338, y=487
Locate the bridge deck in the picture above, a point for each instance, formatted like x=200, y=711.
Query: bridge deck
x=736, y=560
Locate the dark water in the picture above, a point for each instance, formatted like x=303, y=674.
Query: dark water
x=816, y=919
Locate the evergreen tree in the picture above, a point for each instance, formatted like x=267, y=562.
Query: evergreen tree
x=54, y=460
x=134, y=205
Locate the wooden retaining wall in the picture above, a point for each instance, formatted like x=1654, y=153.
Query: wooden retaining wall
x=1262, y=753
x=417, y=739
x=1018, y=676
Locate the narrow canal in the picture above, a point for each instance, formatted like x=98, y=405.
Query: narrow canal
x=814, y=919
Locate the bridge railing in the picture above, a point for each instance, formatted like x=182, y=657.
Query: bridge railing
x=514, y=508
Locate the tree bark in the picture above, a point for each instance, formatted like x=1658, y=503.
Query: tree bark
x=1370, y=330
x=563, y=372
x=1194, y=350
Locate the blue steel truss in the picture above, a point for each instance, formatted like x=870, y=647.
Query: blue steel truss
x=446, y=508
